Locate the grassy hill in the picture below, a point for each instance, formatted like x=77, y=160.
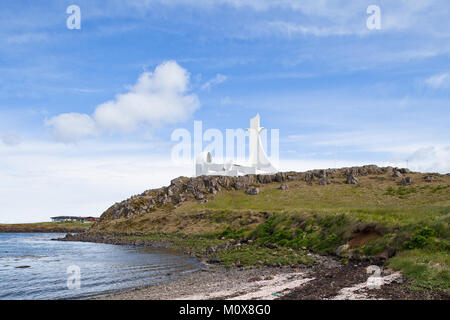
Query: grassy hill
x=401, y=220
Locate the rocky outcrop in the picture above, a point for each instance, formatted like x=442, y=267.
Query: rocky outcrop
x=397, y=174
x=183, y=189
x=342, y=249
x=117, y=239
x=351, y=177
x=406, y=181
x=315, y=175
x=204, y=188
x=323, y=178
x=253, y=191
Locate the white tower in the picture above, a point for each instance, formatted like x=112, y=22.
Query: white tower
x=257, y=156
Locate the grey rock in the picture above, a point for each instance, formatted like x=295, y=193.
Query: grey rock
x=323, y=178
x=214, y=260
x=352, y=179
x=280, y=177
x=199, y=196
x=388, y=170
x=397, y=174
x=266, y=178
x=342, y=248
x=308, y=177
x=406, y=181
x=244, y=182
x=253, y=191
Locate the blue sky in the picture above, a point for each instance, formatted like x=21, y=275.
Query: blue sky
x=339, y=93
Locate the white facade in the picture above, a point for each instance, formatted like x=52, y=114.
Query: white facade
x=258, y=161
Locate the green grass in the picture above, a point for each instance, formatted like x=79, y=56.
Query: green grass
x=246, y=254
x=190, y=243
x=250, y=255
x=45, y=227
x=429, y=270
x=321, y=233
x=344, y=197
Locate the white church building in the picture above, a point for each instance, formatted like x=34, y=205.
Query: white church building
x=258, y=162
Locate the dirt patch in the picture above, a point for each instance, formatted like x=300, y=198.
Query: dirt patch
x=361, y=238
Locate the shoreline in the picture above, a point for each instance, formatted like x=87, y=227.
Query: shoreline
x=348, y=282
x=115, y=239
x=326, y=278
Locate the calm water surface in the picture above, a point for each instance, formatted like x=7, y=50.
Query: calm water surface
x=32, y=266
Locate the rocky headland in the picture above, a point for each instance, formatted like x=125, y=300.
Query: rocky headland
x=358, y=216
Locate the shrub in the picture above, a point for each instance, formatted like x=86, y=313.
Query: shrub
x=230, y=234
x=421, y=239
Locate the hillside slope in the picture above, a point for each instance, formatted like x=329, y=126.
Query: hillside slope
x=384, y=215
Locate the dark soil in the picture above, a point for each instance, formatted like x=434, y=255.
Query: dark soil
x=328, y=282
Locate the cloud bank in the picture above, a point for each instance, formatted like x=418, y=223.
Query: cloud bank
x=158, y=98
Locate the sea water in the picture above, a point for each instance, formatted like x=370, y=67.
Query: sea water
x=33, y=266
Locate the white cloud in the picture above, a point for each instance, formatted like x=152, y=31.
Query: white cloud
x=333, y=16
x=218, y=79
x=158, y=98
x=71, y=127
x=291, y=29
x=430, y=159
x=439, y=81
x=322, y=7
